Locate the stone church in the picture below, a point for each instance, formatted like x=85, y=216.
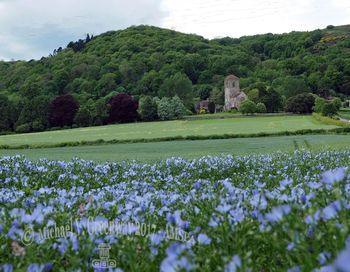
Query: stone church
x=233, y=95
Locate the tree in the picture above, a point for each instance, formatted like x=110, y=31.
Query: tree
x=260, y=108
x=293, y=86
x=211, y=107
x=329, y=109
x=62, y=111
x=204, y=91
x=253, y=95
x=272, y=100
x=217, y=96
x=35, y=113
x=123, y=109
x=301, y=103
x=247, y=106
x=180, y=85
x=337, y=103
x=319, y=103
x=178, y=107
x=148, y=109
x=83, y=117
x=165, y=109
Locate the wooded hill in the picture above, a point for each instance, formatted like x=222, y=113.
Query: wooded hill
x=145, y=60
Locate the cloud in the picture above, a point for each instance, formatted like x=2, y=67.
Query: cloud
x=237, y=18
x=33, y=28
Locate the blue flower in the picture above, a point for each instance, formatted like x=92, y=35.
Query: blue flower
x=7, y=268
x=323, y=257
x=35, y=268
x=48, y=267
x=203, y=239
x=155, y=239
x=329, y=177
x=290, y=247
x=294, y=269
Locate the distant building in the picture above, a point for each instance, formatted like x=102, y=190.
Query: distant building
x=203, y=104
x=233, y=95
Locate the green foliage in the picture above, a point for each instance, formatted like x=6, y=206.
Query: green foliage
x=148, y=109
x=253, y=95
x=301, y=103
x=337, y=103
x=204, y=91
x=146, y=60
x=329, y=109
x=319, y=103
x=217, y=96
x=178, y=84
x=260, y=108
x=165, y=109
x=83, y=117
x=247, y=106
x=24, y=128
x=272, y=100
x=178, y=107
x=293, y=86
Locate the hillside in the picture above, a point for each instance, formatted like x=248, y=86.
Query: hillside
x=140, y=59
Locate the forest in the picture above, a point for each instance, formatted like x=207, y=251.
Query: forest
x=149, y=62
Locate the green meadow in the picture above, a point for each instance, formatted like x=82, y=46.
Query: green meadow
x=151, y=130
x=151, y=152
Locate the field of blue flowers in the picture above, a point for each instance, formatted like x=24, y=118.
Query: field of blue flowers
x=280, y=212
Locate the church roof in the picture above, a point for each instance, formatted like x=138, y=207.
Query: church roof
x=232, y=77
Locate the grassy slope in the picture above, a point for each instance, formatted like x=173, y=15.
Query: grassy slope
x=171, y=128
x=147, y=152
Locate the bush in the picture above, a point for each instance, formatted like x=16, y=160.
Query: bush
x=330, y=26
x=148, y=109
x=165, y=109
x=211, y=107
x=23, y=128
x=123, y=109
x=319, y=103
x=260, y=108
x=301, y=103
x=337, y=103
x=329, y=109
x=247, y=106
x=202, y=111
x=178, y=107
x=83, y=117
x=37, y=126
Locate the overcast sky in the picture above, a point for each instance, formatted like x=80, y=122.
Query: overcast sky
x=30, y=29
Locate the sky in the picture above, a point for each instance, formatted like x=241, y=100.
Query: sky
x=30, y=29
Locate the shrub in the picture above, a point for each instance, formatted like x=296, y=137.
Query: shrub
x=62, y=110
x=247, y=106
x=260, y=108
x=202, y=111
x=123, y=109
x=148, y=109
x=301, y=103
x=211, y=107
x=337, y=103
x=329, y=109
x=24, y=128
x=37, y=126
x=319, y=103
x=165, y=109
x=83, y=117
x=178, y=107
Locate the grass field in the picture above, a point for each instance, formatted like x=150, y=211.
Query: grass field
x=149, y=152
x=165, y=129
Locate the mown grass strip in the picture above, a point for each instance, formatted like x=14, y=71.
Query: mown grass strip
x=343, y=130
